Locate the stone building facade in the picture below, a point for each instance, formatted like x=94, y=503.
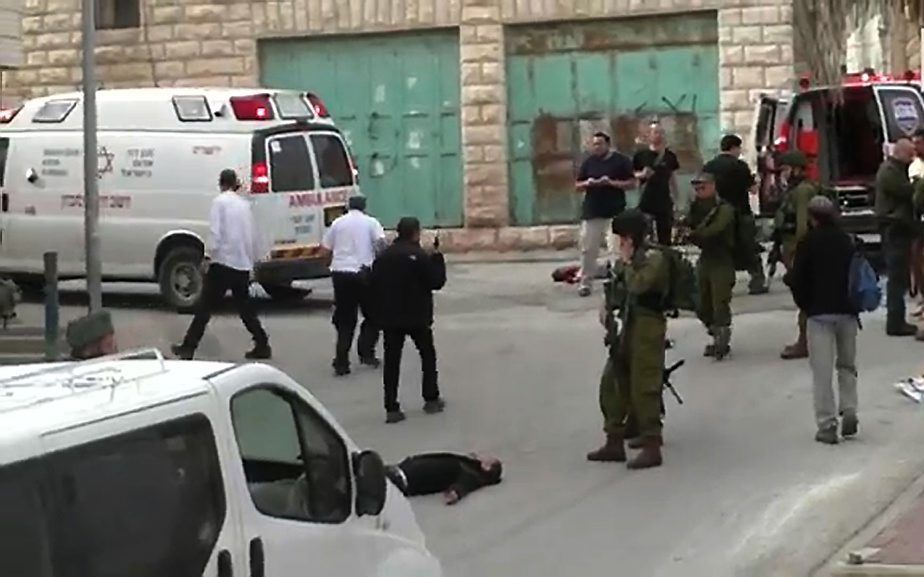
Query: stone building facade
x=195, y=43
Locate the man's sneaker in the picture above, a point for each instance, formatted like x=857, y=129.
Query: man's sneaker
x=433, y=407
x=181, y=352
x=906, y=330
x=827, y=435
x=584, y=291
x=849, y=425
x=259, y=353
x=392, y=417
x=370, y=362
x=341, y=370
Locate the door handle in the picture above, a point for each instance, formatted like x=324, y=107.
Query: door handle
x=5, y=202
x=225, y=568
x=257, y=560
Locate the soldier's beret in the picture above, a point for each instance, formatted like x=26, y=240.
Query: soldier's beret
x=89, y=329
x=794, y=158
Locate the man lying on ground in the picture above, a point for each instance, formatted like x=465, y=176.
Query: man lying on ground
x=451, y=474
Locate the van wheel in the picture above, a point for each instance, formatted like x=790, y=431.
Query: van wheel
x=181, y=279
x=284, y=292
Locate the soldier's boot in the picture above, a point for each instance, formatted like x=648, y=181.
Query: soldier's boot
x=722, y=342
x=649, y=456
x=636, y=443
x=709, y=351
x=612, y=451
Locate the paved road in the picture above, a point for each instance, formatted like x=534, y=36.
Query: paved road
x=744, y=489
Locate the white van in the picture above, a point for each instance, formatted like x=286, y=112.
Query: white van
x=133, y=465
x=159, y=156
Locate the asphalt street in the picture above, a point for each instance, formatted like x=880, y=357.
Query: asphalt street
x=744, y=489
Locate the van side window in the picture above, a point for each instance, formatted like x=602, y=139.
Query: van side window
x=290, y=164
x=903, y=111
x=25, y=547
x=148, y=503
x=333, y=165
x=296, y=465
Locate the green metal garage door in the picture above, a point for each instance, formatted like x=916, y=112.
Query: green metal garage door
x=397, y=100
x=566, y=81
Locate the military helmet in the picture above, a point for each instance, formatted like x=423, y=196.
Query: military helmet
x=632, y=223
x=794, y=158
x=87, y=330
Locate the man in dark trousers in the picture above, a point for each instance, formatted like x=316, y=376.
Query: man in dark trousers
x=229, y=262
x=733, y=182
x=895, y=211
x=352, y=242
x=404, y=277
x=655, y=166
x=451, y=474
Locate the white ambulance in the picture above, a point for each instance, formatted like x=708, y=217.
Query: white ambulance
x=134, y=465
x=159, y=156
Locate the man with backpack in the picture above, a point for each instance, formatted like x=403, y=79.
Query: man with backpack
x=791, y=224
x=712, y=224
x=634, y=317
x=823, y=282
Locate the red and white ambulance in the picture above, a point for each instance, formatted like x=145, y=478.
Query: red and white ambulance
x=159, y=156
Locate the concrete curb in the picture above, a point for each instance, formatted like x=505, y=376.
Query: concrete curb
x=838, y=567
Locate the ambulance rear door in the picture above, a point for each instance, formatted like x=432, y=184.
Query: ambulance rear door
x=902, y=110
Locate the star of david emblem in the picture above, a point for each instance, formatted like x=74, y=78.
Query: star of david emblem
x=103, y=161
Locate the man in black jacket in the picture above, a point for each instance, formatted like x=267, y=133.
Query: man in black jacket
x=451, y=474
x=404, y=277
x=820, y=286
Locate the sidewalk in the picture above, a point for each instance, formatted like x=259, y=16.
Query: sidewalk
x=896, y=546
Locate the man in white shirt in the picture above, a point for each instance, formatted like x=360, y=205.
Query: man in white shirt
x=229, y=262
x=353, y=240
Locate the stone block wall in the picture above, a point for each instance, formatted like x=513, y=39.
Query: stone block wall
x=214, y=42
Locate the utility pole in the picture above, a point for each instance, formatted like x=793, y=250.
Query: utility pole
x=90, y=161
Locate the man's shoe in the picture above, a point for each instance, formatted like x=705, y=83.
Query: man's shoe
x=584, y=291
x=341, y=370
x=371, y=361
x=709, y=351
x=612, y=451
x=794, y=351
x=433, y=407
x=759, y=290
x=392, y=417
x=650, y=455
x=259, y=353
x=181, y=352
x=849, y=425
x=906, y=330
x=827, y=435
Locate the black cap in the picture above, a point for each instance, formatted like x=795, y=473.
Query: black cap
x=632, y=223
x=228, y=178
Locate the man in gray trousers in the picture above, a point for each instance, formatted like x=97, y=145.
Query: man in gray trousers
x=820, y=286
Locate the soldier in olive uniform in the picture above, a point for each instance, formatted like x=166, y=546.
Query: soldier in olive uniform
x=632, y=377
x=791, y=224
x=92, y=336
x=712, y=225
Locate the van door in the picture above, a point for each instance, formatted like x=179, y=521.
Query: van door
x=769, y=117
x=336, y=174
x=295, y=481
x=143, y=494
x=901, y=109
x=4, y=197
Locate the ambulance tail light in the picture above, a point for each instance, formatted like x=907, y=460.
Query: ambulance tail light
x=319, y=107
x=8, y=114
x=805, y=83
x=259, y=178
x=256, y=107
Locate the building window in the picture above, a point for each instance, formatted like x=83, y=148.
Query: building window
x=116, y=14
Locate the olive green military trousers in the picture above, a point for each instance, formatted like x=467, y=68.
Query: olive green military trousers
x=632, y=379
x=716, y=280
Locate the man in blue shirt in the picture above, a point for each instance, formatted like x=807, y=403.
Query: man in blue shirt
x=603, y=178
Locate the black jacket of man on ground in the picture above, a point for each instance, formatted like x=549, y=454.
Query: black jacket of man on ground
x=453, y=474
x=404, y=277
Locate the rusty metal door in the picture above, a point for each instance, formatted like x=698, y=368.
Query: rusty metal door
x=396, y=99
x=566, y=81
